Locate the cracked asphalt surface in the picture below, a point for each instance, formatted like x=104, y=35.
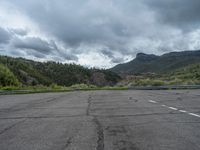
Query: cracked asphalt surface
x=101, y=120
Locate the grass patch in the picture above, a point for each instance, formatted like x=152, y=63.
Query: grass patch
x=55, y=88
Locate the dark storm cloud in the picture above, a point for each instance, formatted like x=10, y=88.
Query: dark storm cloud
x=117, y=60
x=40, y=48
x=35, y=54
x=4, y=36
x=113, y=28
x=68, y=56
x=111, y=55
x=33, y=43
x=77, y=22
x=108, y=53
x=179, y=13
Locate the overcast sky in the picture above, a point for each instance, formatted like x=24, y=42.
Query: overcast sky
x=99, y=33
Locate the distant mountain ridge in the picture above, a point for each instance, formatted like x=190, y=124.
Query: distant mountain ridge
x=149, y=63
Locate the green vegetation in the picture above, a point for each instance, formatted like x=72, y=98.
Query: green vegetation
x=145, y=63
x=20, y=75
x=55, y=88
x=26, y=76
x=148, y=82
x=189, y=75
x=7, y=78
x=31, y=73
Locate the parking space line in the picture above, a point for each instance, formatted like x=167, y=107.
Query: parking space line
x=173, y=108
x=151, y=101
x=176, y=109
x=183, y=111
x=194, y=115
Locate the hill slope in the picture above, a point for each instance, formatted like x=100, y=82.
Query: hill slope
x=29, y=72
x=7, y=77
x=189, y=75
x=144, y=63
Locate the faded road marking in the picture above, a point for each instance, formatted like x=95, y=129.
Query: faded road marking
x=173, y=108
x=194, y=115
x=176, y=109
x=151, y=101
x=183, y=111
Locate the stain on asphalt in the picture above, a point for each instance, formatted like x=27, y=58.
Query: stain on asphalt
x=69, y=141
x=115, y=130
x=123, y=141
x=179, y=99
x=125, y=145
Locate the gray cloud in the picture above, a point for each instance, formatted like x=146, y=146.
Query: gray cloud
x=21, y=32
x=40, y=48
x=4, y=36
x=88, y=22
x=113, y=28
x=179, y=13
x=111, y=55
x=33, y=43
x=108, y=53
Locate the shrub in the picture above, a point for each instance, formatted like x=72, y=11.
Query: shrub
x=82, y=86
x=7, y=78
x=175, y=82
x=56, y=87
x=148, y=82
x=157, y=83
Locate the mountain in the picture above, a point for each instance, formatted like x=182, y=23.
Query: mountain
x=189, y=75
x=29, y=73
x=145, y=63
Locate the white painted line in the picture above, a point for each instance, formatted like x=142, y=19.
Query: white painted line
x=183, y=111
x=194, y=115
x=172, y=108
x=151, y=101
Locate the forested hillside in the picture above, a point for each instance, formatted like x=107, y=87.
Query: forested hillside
x=28, y=72
x=7, y=77
x=188, y=75
x=149, y=63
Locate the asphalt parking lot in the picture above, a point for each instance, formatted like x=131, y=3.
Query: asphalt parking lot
x=101, y=120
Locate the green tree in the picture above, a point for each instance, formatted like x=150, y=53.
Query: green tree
x=7, y=78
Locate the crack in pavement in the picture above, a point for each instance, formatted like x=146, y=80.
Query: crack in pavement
x=100, y=133
x=89, y=105
x=135, y=115
x=32, y=104
x=38, y=117
x=10, y=127
x=99, y=128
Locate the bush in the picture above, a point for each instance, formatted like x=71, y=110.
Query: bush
x=148, y=82
x=10, y=88
x=175, y=82
x=56, y=87
x=157, y=83
x=7, y=78
x=83, y=86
